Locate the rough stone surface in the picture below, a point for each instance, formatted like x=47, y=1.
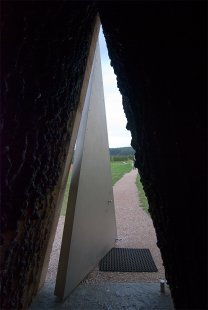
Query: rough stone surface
x=158, y=53
x=45, y=49
x=157, y=50
x=114, y=296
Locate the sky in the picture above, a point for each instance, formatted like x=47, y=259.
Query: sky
x=118, y=135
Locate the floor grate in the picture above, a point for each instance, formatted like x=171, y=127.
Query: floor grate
x=128, y=260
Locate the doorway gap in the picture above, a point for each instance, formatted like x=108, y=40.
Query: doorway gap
x=118, y=137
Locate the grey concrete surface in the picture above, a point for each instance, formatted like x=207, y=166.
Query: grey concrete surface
x=112, y=296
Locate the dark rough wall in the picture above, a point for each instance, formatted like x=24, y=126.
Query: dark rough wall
x=44, y=52
x=157, y=50
x=158, y=53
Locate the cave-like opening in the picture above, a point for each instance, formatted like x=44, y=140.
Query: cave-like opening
x=108, y=79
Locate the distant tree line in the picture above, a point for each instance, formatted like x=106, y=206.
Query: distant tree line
x=121, y=153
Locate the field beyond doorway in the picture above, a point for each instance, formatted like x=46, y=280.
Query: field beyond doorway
x=118, y=170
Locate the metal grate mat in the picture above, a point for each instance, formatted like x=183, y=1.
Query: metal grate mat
x=128, y=260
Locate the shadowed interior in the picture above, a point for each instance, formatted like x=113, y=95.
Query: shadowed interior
x=158, y=53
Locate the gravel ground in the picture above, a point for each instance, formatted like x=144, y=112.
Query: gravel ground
x=134, y=230
x=54, y=258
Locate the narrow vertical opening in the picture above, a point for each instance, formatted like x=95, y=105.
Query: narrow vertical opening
x=134, y=229
x=134, y=224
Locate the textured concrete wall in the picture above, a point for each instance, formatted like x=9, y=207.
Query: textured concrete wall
x=158, y=53
x=45, y=49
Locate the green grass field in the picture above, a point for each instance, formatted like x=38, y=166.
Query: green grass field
x=142, y=197
x=119, y=168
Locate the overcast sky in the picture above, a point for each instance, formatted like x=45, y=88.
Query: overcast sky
x=118, y=135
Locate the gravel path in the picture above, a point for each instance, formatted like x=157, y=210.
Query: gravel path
x=134, y=230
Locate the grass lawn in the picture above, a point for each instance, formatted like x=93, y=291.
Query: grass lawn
x=142, y=197
x=119, y=168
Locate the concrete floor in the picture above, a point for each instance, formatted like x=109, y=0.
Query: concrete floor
x=112, y=296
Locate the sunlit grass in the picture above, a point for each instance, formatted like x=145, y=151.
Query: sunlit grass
x=119, y=168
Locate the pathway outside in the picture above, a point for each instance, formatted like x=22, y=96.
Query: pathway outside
x=134, y=230
x=111, y=290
